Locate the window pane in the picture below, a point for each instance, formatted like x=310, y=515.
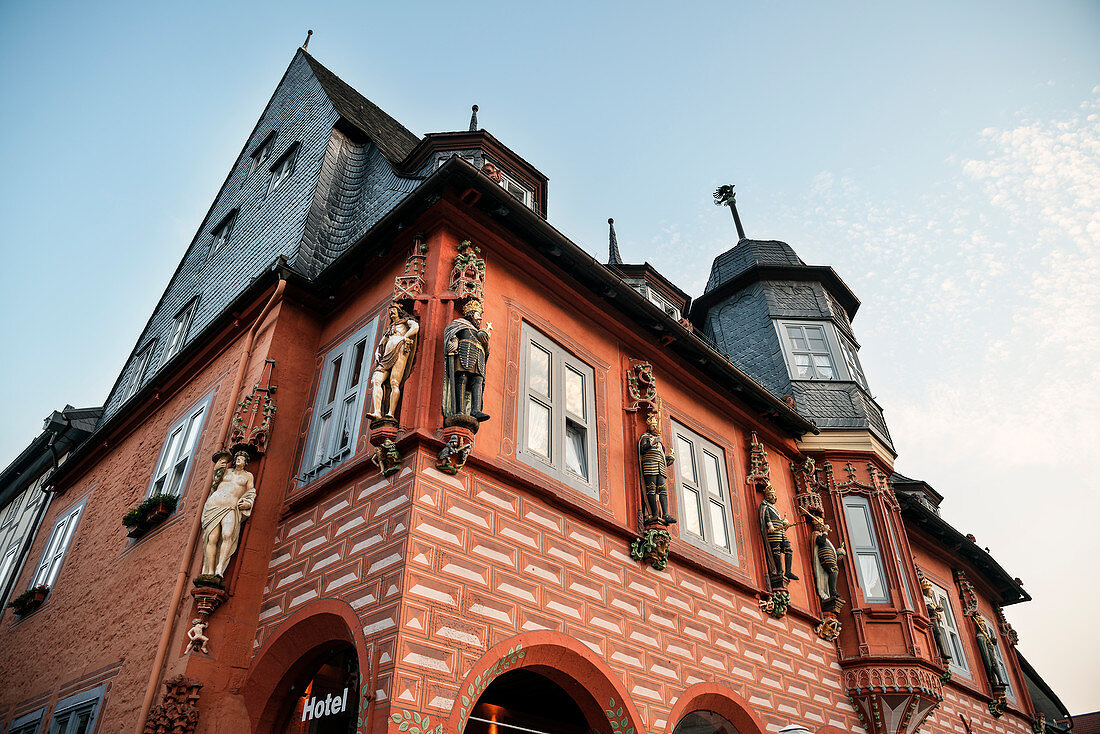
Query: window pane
x=858, y=527
x=691, y=511
x=873, y=585
x=322, y=439
x=334, y=380
x=713, y=475
x=816, y=337
x=538, y=428
x=346, y=424
x=177, y=477
x=357, y=363
x=576, y=449
x=189, y=436
x=794, y=333
x=538, y=370
x=718, y=526
x=686, y=463
x=824, y=367
x=574, y=392
x=170, y=452
x=802, y=366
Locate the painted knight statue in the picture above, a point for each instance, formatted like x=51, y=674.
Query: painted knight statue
x=935, y=616
x=987, y=646
x=393, y=361
x=655, y=460
x=827, y=559
x=773, y=528
x=232, y=496
x=465, y=348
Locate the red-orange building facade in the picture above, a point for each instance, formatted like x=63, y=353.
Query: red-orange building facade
x=433, y=598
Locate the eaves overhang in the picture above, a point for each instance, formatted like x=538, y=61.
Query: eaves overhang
x=806, y=273
x=951, y=540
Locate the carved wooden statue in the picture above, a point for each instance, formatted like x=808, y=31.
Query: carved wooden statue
x=987, y=643
x=655, y=462
x=773, y=529
x=393, y=360
x=465, y=348
x=826, y=560
x=935, y=615
x=224, y=513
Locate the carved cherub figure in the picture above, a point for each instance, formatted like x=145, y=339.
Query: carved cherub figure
x=198, y=637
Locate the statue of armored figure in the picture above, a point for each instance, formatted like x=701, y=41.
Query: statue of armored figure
x=987, y=644
x=232, y=496
x=655, y=462
x=465, y=349
x=393, y=360
x=773, y=528
x=935, y=615
x=826, y=560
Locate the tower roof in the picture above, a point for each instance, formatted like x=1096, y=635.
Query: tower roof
x=747, y=253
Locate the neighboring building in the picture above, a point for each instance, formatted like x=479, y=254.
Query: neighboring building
x=411, y=588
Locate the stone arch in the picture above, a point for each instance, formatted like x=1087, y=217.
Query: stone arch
x=288, y=651
x=721, y=700
x=565, y=661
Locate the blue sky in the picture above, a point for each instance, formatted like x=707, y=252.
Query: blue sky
x=943, y=157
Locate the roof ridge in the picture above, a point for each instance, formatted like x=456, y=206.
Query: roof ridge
x=394, y=140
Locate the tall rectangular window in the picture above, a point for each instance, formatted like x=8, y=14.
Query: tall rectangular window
x=283, y=168
x=557, y=415
x=77, y=714
x=18, y=522
x=170, y=475
x=338, y=409
x=703, y=492
x=958, y=662
x=180, y=327
x=54, y=553
x=141, y=367
x=861, y=530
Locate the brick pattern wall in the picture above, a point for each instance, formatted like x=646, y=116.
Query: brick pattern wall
x=264, y=228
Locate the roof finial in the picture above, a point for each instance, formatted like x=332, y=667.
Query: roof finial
x=724, y=196
x=613, y=256
x=305, y=45
x=473, y=119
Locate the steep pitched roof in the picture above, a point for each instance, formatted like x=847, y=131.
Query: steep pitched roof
x=392, y=138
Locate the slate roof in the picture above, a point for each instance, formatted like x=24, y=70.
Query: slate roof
x=747, y=253
x=392, y=138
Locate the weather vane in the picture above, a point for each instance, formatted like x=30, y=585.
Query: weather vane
x=725, y=196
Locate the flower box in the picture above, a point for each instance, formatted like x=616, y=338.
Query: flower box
x=29, y=600
x=151, y=512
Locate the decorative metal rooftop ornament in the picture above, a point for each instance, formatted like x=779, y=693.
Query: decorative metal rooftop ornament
x=725, y=196
x=473, y=118
x=305, y=44
x=613, y=256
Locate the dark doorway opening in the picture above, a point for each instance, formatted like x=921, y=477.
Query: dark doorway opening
x=704, y=722
x=525, y=702
x=323, y=695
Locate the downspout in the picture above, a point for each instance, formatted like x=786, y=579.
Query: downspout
x=196, y=525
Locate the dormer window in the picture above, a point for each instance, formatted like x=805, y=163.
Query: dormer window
x=815, y=350
x=516, y=189
x=262, y=153
x=222, y=232
x=282, y=169
x=654, y=296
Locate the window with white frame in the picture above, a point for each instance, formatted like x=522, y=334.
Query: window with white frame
x=703, y=492
x=77, y=714
x=958, y=662
x=807, y=347
x=557, y=415
x=54, y=553
x=220, y=236
x=338, y=408
x=903, y=568
x=180, y=327
x=262, y=153
x=865, y=547
x=141, y=367
x=18, y=521
x=170, y=476
x=653, y=296
x=851, y=360
x=28, y=723
x=999, y=660
x=283, y=168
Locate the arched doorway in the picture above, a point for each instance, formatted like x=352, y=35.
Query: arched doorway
x=526, y=702
x=320, y=693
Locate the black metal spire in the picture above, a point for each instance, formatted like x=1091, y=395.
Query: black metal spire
x=305, y=44
x=473, y=119
x=613, y=256
x=724, y=196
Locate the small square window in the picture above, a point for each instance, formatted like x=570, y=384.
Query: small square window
x=180, y=328
x=282, y=169
x=557, y=417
